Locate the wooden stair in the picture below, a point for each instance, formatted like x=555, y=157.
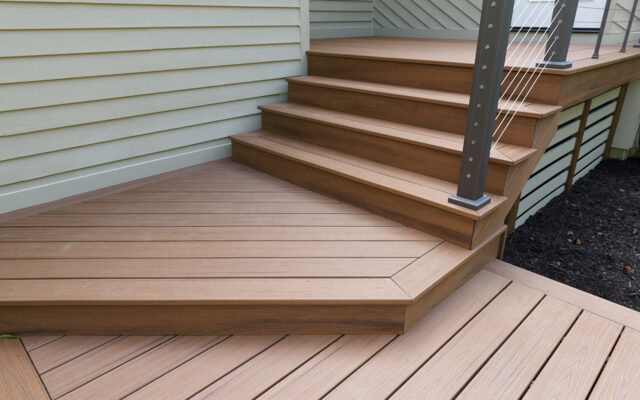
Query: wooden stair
x=392, y=145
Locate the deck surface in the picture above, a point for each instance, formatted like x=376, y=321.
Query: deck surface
x=220, y=232
x=462, y=52
x=506, y=334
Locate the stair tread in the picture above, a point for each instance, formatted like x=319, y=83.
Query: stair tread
x=422, y=188
x=450, y=142
x=528, y=109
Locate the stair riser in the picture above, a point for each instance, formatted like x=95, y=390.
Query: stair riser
x=428, y=115
x=485, y=253
x=189, y=319
x=444, y=224
x=428, y=76
x=432, y=162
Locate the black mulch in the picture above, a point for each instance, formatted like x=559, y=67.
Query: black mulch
x=589, y=237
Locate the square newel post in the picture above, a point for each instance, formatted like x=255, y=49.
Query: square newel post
x=493, y=37
x=563, y=18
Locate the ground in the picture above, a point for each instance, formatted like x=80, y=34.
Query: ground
x=589, y=237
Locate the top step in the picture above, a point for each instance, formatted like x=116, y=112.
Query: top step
x=423, y=63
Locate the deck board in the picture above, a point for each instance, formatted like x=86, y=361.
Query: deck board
x=486, y=323
x=18, y=377
x=574, y=367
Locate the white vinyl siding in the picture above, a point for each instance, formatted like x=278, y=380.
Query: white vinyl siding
x=341, y=18
x=96, y=92
x=550, y=175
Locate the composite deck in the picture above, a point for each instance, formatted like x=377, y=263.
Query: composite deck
x=222, y=248
x=506, y=334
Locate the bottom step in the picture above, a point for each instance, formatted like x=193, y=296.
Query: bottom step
x=412, y=199
x=390, y=305
x=224, y=249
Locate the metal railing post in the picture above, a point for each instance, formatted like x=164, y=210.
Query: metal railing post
x=491, y=50
x=564, y=15
x=628, y=31
x=603, y=25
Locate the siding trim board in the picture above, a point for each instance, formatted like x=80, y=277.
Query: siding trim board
x=95, y=93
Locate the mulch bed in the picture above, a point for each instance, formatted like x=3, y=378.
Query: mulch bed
x=589, y=237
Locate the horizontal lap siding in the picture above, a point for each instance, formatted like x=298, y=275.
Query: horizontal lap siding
x=341, y=18
x=94, y=93
x=550, y=176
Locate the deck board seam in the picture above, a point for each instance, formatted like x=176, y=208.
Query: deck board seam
x=160, y=343
x=222, y=340
x=443, y=344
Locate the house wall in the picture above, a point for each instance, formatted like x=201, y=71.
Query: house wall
x=459, y=19
x=341, y=18
x=99, y=92
x=625, y=141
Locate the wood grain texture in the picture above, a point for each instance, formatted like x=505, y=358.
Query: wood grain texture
x=222, y=233
x=58, y=352
x=217, y=361
x=319, y=375
x=306, y=319
x=388, y=369
x=138, y=372
x=268, y=368
x=583, y=300
x=454, y=364
x=575, y=365
x=18, y=378
x=508, y=372
x=99, y=361
x=201, y=291
x=32, y=342
x=119, y=268
x=621, y=376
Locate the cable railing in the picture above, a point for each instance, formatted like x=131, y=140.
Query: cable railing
x=607, y=20
x=529, y=55
x=493, y=87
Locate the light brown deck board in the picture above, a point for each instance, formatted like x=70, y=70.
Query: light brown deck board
x=142, y=207
x=89, y=366
x=319, y=375
x=217, y=361
x=138, y=372
x=266, y=369
x=118, y=268
x=154, y=220
x=574, y=366
x=388, y=369
x=221, y=233
x=18, y=378
x=511, y=369
x=455, y=363
x=33, y=342
x=621, y=376
x=461, y=337
x=201, y=291
x=454, y=52
x=64, y=349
